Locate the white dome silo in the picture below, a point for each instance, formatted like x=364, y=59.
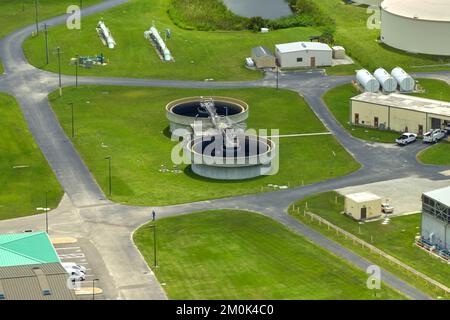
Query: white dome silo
x=388, y=83
x=367, y=81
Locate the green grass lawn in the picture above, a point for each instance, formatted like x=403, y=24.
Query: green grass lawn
x=198, y=55
x=241, y=255
x=396, y=238
x=129, y=124
x=15, y=14
x=438, y=154
x=25, y=175
x=204, y=55
x=338, y=102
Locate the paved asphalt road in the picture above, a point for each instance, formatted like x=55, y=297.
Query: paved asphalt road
x=89, y=215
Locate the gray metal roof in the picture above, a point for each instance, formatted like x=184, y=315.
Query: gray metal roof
x=403, y=101
x=28, y=282
x=440, y=195
x=262, y=52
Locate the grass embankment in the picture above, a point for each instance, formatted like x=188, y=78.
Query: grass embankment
x=25, y=174
x=397, y=239
x=130, y=125
x=338, y=102
x=240, y=255
x=213, y=15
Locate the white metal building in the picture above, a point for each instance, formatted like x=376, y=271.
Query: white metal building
x=436, y=218
x=363, y=205
x=399, y=112
x=304, y=54
x=418, y=26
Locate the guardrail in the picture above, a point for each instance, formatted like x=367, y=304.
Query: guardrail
x=371, y=248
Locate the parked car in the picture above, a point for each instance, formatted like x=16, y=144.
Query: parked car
x=76, y=276
x=434, y=135
x=406, y=138
x=387, y=208
x=73, y=267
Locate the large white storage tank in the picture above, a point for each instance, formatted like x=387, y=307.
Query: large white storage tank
x=404, y=80
x=388, y=83
x=367, y=81
x=418, y=26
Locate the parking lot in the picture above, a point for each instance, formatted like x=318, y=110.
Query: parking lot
x=82, y=253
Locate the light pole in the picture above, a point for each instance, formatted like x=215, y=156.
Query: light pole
x=36, y=16
x=58, y=52
x=76, y=71
x=46, y=43
x=73, y=121
x=109, y=166
x=46, y=211
x=93, y=288
x=153, y=226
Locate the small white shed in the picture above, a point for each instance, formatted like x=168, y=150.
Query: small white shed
x=363, y=205
x=304, y=54
x=338, y=52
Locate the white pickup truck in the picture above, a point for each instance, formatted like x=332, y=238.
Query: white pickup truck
x=434, y=136
x=406, y=138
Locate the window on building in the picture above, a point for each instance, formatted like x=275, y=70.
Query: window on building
x=299, y=59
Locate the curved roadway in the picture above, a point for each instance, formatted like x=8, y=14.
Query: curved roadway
x=109, y=226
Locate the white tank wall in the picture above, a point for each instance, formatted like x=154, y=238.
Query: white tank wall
x=367, y=81
x=413, y=35
x=369, y=2
x=388, y=83
x=404, y=80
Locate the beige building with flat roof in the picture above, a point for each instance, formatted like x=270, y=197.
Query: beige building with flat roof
x=399, y=112
x=363, y=205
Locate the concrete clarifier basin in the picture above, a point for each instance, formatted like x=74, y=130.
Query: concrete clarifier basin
x=182, y=113
x=210, y=158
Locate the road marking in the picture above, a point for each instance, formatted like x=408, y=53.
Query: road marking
x=72, y=256
x=67, y=248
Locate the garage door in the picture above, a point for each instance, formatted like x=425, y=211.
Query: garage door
x=436, y=123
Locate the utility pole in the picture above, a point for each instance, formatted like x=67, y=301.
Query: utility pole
x=73, y=121
x=46, y=43
x=110, y=182
x=36, y=16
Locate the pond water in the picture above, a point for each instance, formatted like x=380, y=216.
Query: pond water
x=268, y=9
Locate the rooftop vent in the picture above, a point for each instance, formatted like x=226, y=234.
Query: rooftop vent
x=43, y=283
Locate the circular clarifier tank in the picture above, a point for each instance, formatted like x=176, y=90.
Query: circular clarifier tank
x=238, y=158
x=184, y=112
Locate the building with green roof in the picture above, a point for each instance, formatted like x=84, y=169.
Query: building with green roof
x=21, y=249
x=30, y=269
